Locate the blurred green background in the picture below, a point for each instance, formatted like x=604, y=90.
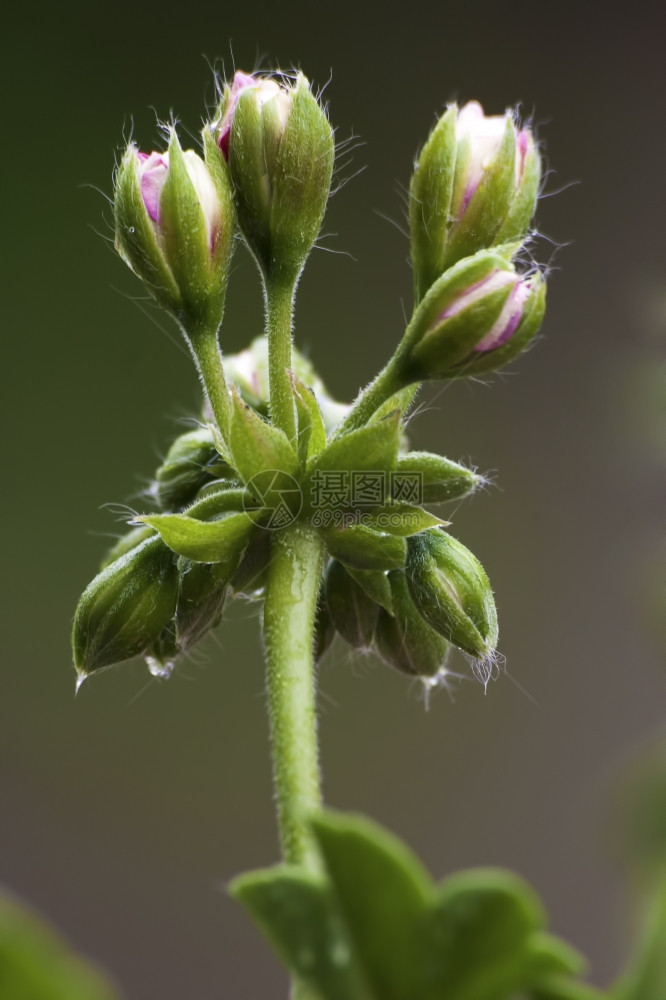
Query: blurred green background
x=124, y=813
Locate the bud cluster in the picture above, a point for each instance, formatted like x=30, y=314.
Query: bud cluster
x=273, y=447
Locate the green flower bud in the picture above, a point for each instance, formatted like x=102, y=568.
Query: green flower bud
x=202, y=593
x=123, y=611
x=191, y=463
x=352, y=612
x=404, y=640
x=174, y=226
x=451, y=591
x=279, y=146
x=126, y=543
x=474, y=185
x=478, y=316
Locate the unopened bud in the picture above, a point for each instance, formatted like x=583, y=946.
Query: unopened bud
x=174, y=225
x=191, y=463
x=404, y=639
x=451, y=591
x=123, y=611
x=475, y=185
x=478, y=316
x=353, y=613
x=279, y=146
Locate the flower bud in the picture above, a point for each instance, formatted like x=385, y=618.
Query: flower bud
x=279, y=147
x=202, y=591
x=404, y=640
x=480, y=314
x=353, y=613
x=451, y=591
x=174, y=225
x=191, y=463
x=474, y=186
x=123, y=611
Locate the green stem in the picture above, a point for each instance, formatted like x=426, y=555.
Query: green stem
x=289, y=613
x=388, y=382
x=206, y=351
x=279, y=313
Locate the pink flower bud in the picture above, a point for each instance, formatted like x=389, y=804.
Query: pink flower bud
x=485, y=134
x=153, y=170
x=507, y=322
x=265, y=90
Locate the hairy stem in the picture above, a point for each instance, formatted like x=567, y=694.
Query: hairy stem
x=388, y=382
x=279, y=312
x=289, y=613
x=208, y=359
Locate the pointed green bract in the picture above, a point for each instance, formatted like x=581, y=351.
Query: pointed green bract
x=311, y=429
x=363, y=548
x=372, y=448
x=436, y=478
x=204, y=541
x=257, y=446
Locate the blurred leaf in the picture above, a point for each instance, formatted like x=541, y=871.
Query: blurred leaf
x=645, y=978
x=383, y=893
x=36, y=964
x=380, y=930
x=478, y=936
x=561, y=988
x=298, y=915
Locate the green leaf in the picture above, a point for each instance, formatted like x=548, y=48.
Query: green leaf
x=551, y=956
x=255, y=445
x=311, y=429
x=297, y=913
x=36, y=964
x=369, y=449
x=203, y=541
x=383, y=893
x=363, y=548
x=476, y=940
